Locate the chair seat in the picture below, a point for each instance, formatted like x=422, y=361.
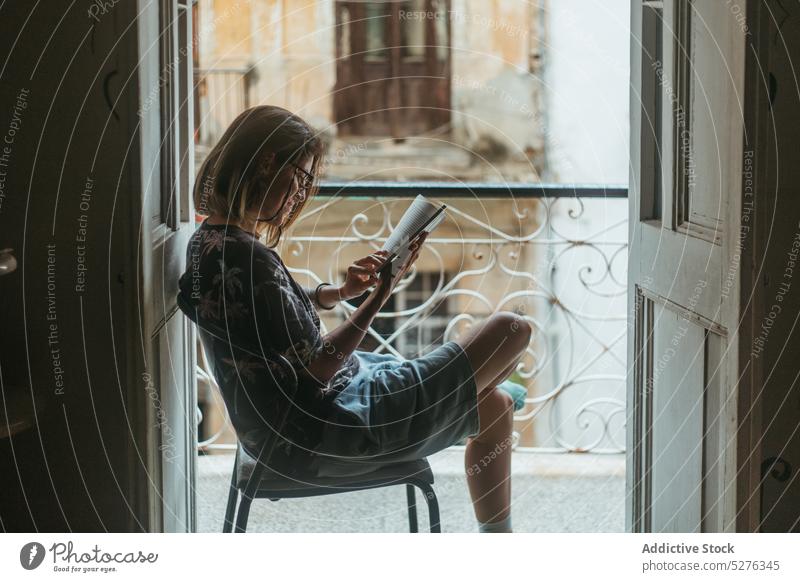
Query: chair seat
x=382, y=474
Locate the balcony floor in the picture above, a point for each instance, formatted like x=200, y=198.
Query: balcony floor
x=551, y=493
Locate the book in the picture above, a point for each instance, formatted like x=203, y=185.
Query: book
x=422, y=216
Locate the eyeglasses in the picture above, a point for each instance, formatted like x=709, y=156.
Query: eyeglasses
x=307, y=179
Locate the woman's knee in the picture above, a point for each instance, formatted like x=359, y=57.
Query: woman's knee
x=496, y=411
x=512, y=328
x=498, y=343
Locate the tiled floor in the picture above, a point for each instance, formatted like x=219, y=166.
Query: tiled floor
x=551, y=493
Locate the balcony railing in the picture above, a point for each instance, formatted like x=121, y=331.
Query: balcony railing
x=555, y=254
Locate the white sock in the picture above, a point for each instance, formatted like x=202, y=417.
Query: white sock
x=502, y=526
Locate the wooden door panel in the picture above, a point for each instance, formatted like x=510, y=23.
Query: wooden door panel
x=681, y=416
x=681, y=269
x=677, y=386
x=703, y=132
x=687, y=69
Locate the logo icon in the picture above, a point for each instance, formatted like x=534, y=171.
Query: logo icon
x=31, y=555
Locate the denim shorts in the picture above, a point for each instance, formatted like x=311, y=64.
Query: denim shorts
x=396, y=410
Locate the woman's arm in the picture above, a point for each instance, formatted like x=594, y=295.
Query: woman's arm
x=360, y=277
x=329, y=296
x=343, y=341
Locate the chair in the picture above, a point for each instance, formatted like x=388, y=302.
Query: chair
x=254, y=479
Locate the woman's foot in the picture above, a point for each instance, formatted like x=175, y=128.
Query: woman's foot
x=502, y=526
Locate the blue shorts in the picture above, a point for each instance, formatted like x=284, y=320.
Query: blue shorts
x=397, y=410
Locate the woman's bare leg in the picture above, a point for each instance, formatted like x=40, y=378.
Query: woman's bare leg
x=487, y=460
x=494, y=346
x=494, y=350
x=474, y=459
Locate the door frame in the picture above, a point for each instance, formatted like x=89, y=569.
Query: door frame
x=163, y=345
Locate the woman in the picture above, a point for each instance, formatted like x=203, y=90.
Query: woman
x=350, y=405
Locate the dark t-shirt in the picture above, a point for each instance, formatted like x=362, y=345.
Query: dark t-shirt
x=240, y=285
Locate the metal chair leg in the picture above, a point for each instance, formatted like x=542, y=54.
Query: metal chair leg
x=412, y=508
x=233, y=495
x=243, y=514
x=230, y=510
x=433, y=505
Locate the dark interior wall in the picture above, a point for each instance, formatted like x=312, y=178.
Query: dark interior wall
x=69, y=94
x=776, y=332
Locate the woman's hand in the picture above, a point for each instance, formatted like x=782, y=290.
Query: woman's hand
x=362, y=275
x=387, y=283
x=347, y=337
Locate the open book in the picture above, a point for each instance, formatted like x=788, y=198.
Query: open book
x=422, y=216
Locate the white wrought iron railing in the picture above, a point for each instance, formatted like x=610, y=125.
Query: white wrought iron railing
x=555, y=254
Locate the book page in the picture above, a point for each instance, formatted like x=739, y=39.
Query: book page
x=416, y=215
x=420, y=211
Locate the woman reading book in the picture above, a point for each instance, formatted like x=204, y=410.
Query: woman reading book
x=353, y=408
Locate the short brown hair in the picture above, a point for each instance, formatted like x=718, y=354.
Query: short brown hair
x=234, y=176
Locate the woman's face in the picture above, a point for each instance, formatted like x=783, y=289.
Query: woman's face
x=286, y=189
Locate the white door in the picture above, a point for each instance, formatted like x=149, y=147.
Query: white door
x=165, y=69
x=687, y=72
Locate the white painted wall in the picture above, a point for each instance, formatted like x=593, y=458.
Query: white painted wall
x=586, y=92
x=586, y=135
